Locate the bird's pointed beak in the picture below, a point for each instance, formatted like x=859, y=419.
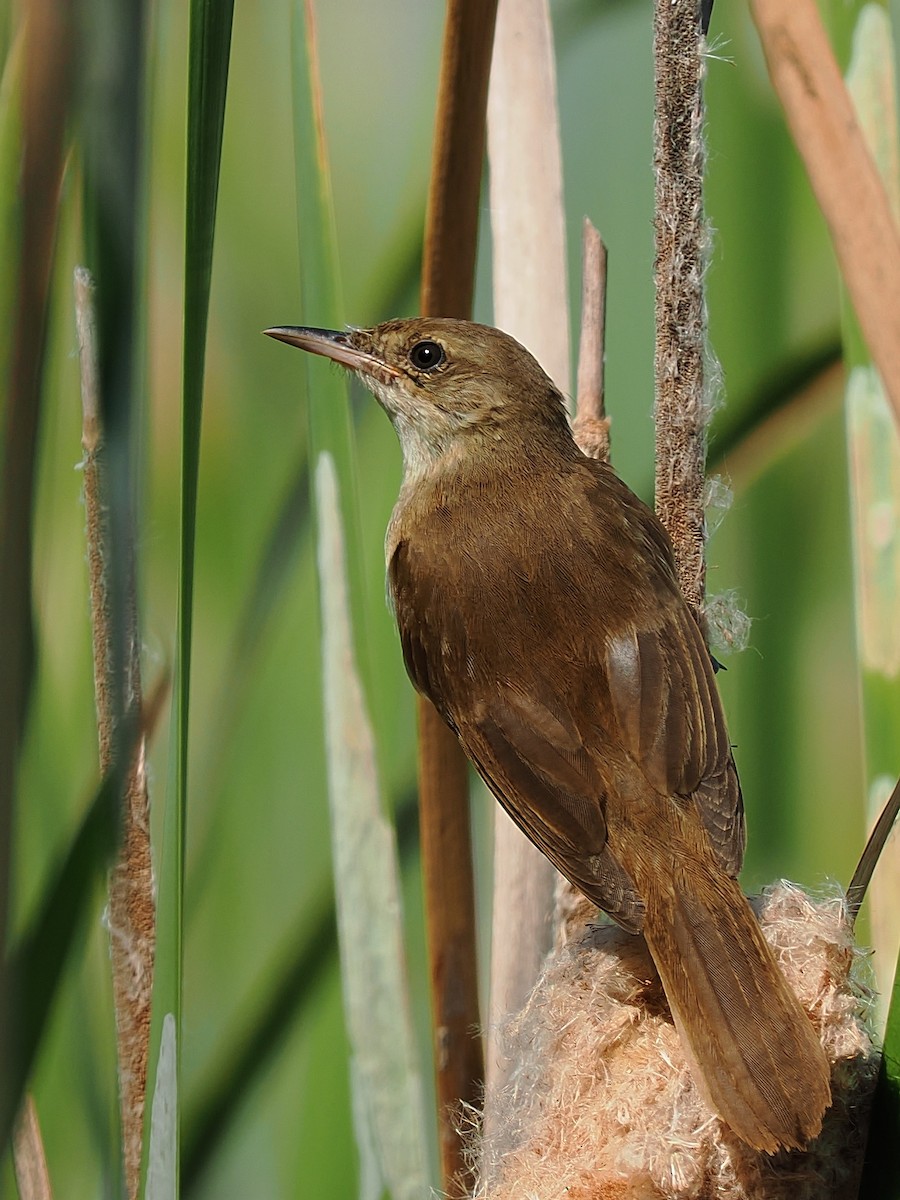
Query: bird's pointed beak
x=333, y=344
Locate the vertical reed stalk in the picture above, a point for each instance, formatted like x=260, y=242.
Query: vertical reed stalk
x=531, y=303
x=131, y=915
x=682, y=411
x=448, y=278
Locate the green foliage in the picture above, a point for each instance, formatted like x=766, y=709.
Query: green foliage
x=210, y=44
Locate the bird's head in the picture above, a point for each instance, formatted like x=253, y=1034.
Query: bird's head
x=447, y=385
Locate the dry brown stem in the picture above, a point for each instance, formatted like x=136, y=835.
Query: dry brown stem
x=29, y=1160
x=845, y=180
x=591, y=426
x=131, y=915
x=868, y=861
x=451, y=222
x=448, y=278
x=681, y=407
x=591, y=431
x=448, y=882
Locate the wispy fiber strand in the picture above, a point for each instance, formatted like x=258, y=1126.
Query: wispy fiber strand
x=603, y=1105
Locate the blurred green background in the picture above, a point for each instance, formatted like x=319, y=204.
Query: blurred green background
x=258, y=850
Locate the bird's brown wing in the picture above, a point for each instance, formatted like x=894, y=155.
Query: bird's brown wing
x=522, y=739
x=533, y=760
x=661, y=680
x=540, y=759
x=670, y=720
x=628, y=678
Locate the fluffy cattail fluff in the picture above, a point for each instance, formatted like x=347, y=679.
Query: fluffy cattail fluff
x=602, y=1104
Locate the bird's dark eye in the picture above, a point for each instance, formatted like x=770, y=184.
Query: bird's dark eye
x=426, y=356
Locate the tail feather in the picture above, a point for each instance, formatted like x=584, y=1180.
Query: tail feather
x=757, y=1056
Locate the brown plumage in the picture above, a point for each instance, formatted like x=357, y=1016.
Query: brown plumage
x=538, y=610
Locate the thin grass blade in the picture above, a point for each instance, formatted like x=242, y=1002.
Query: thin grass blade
x=210, y=43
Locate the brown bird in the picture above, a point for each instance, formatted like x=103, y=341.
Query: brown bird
x=539, y=611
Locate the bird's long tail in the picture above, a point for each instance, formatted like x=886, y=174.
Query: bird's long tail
x=756, y=1052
